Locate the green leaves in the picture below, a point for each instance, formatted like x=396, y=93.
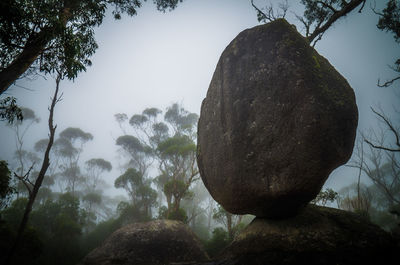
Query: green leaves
x=99, y=163
x=130, y=177
x=130, y=144
x=178, y=145
x=74, y=134
x=390, y=19
x=9, y=111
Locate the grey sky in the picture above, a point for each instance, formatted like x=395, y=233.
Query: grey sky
x=155, y=59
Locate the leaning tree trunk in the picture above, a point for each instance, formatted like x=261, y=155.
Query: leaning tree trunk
x=33, y=48
x=38, y=183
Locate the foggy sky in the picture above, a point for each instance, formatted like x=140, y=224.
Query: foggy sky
x=156, y=59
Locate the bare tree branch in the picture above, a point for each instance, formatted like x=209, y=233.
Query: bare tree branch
x=42, y=172
x=387, y=83
x=270, y=14
x=391, y=128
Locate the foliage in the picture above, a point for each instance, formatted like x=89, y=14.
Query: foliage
x=232, y=223
x=9, y=110
x=76, y=134
x=59, y=224
x=143, y=197
x=5, y=184
x=55, y=36
x=170, y=142
x=99, y=234
x=390, y=19
x=95, y=167
x=219, y=240
x=179, y=215
x=323, y=197
x=28, y=252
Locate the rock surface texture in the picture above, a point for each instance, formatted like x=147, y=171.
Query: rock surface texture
x=152, y=243
x=277, y=119
x=318, y=235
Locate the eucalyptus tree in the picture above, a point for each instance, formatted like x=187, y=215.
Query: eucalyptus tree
x=9, y=110
x=6, y=188
x=142, y=196
x=93, y=193
x=167, y=142
x=95, y=167
x=69, y=147
x=34, y=186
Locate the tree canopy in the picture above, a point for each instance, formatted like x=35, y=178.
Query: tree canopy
x=46, y=35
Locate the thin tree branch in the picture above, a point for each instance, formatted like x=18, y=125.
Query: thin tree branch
x=387, y=83
x=341, y=13
x=391, y=128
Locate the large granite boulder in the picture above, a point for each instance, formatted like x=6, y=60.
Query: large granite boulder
x=277, y=119
x=157, y=242
x=317, y=235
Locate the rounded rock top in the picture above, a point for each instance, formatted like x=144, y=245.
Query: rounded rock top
x=156, y=242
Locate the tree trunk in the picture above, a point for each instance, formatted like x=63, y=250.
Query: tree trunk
x=39, y=180
x=229, y=225
x=33, y=48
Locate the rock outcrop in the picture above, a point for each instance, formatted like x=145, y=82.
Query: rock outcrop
x=153, y=243
x=317, y=235
x=277, y=119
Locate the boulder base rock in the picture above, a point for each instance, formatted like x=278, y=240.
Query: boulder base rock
x=277, y=119
x=318, y=235
x=152, y=243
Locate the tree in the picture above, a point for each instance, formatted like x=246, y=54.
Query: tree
x=139, y=152
x=171, y=144
x=9, y=111
x=143, y=197
x=230, y=221
x=323, y=197
x=94, y=168
x=60, y=224
x=68, y=147
x=356, y=198
x=41, y=35
x=377, y=143
x=33, y=187
x=382, y=168
x=320, y=15
x=218, y=242
x=26, y=160
x=5, y=184
x=389, y=21
x=177, y=162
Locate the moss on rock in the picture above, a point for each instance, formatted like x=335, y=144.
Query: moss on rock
x=157, y=242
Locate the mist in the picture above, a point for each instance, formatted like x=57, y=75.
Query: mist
x=158, y=59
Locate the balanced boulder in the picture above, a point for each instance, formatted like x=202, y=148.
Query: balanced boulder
x=277, y=119
x=153, y=243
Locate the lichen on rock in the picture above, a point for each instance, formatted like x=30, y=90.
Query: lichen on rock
x=277, y=119
x=157, y=242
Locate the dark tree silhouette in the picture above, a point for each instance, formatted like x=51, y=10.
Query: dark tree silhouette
x=33, y=188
